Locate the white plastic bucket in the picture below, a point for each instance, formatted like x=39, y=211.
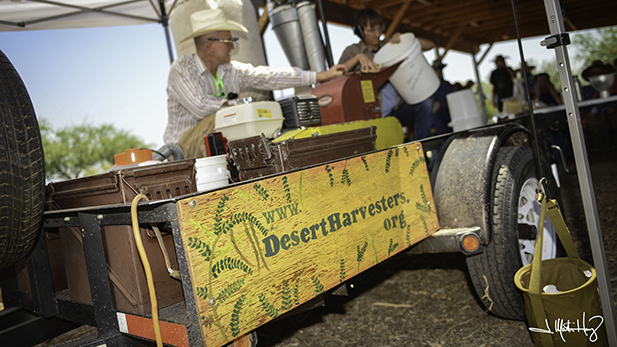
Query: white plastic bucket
x=211, y=172
x=464, y=111
x=415, y=80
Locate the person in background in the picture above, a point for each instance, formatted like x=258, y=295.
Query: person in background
x=520, y=92
x=201, y=83
x=441, y=112
x=544, y=91
x=369, y=27
x=501, y=79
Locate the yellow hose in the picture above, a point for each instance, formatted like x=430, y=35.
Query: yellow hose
x=146, y=263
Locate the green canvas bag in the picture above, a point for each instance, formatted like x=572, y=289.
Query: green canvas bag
x=562, y=301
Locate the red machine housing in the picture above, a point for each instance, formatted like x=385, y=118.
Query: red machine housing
x=354, y=96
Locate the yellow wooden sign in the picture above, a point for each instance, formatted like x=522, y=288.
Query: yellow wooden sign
x=258, y=250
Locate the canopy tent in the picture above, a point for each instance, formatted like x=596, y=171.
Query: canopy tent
x=65, y=14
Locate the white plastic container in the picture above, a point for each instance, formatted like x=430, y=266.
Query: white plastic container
x=464, y=111
x=250, y=119
x=415, y=80
x=211, y=172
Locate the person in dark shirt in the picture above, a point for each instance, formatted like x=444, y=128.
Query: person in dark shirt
x=544, y=91
x=501, y=79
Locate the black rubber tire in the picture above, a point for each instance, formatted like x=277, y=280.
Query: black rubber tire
x=492, y=272
x=22, y=168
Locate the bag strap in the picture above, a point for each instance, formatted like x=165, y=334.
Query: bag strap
x=550, y=209
x=554, y=214
x=534, y=282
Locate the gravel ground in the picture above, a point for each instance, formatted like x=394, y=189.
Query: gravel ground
x=427, y=300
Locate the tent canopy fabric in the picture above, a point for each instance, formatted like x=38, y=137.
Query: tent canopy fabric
x=63, y=14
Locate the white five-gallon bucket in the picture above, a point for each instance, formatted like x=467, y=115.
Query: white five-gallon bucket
x=415, y=80
x=464, y=111
x=211, y=172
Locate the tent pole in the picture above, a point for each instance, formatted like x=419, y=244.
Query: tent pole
x=165, y=23
x=557, y=29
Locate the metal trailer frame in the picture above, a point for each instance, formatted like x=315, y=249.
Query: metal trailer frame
x=479, y=145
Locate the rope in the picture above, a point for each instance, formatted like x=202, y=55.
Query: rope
x=148, y=270
x=538, y=162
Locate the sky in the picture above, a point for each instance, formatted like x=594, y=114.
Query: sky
x=118, y=75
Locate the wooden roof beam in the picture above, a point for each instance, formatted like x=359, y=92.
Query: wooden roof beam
x=263, y=21
x=397, y=20
x=453, y=40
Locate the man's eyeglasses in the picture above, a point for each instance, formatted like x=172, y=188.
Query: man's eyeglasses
x=232, y=43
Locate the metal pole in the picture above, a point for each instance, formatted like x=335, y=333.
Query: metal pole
x=479, y=88
x=165, y=23
x=557, y=28
x=324, y=26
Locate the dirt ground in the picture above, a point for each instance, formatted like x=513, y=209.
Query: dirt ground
x=427, y=300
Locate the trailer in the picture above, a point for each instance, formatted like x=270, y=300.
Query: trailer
x=259, y=249
x=228, y=260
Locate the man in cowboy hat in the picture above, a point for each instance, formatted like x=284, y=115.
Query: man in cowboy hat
x=203, y=82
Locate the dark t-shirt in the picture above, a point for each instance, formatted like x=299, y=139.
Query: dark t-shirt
x=502, y=83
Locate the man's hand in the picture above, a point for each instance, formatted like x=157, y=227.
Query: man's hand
x=367, y=64
x=396, y=38
x=335, y=71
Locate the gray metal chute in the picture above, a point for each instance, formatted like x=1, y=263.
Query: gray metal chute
x=312, y=37
x=286, y=26
x=297, y=30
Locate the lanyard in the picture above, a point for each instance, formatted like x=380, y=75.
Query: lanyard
x=218, y=84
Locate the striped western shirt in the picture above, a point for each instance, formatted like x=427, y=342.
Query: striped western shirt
x=190, y=89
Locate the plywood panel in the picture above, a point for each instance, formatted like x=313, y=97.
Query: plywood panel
x=258, y=250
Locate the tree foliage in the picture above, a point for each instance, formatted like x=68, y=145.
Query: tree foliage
x=83, y=150
x=599, y=44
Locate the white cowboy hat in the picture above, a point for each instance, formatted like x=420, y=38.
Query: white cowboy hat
x=208, y=21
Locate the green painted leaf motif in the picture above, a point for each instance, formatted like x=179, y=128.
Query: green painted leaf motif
x=202, y=292
x=229, y=290
x=201, y=247
x=218, y=219
x=388, y=159
x=287, y=301
x=361, y=251
x=392, y=247
x=263, y=193
x=345, y=179
x=235, y=316
x=297, y=289
x=329, y=170
x=286, y=189
x=365, y=163
x=317, y=284
x=425, y=225
x=270, y=310
x=342, y=274
x=229, y=263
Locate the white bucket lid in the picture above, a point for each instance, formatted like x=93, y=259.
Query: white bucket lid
x=210, y=161
x=392, y=53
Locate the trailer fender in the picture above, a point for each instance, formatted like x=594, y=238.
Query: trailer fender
x=462, y=175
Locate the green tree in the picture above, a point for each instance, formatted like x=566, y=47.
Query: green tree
x=83, y=150
x=599, y=44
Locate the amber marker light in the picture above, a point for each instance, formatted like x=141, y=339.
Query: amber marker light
x=470, y=243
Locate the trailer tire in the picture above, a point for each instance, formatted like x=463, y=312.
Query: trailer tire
x=513, y=208
x=22, y=168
